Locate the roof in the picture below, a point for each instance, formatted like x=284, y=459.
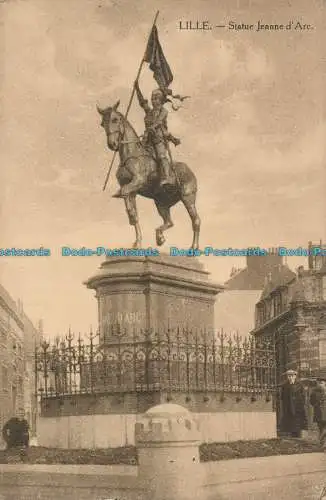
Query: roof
x=245, y=280
x=255, y=280
x=20, y=315
x=281, y=277
x=8, y=299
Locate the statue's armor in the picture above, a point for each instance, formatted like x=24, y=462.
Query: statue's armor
x=156, y=130
x=156, y=134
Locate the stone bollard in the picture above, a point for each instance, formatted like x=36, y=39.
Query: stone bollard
x=167, y=440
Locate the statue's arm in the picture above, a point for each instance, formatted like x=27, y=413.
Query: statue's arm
x=164, y=123
x=142, y=101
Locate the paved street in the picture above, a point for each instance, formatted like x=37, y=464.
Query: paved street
x=305, y=487
x=270, y=478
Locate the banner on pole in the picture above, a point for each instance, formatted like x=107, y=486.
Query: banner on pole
x=154, y=55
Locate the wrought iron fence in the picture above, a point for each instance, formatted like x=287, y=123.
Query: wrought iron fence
x=174, y=361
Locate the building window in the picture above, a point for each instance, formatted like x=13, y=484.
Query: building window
x=260, y=317
x=284, y=299
x=268, y=310
x=277, y=305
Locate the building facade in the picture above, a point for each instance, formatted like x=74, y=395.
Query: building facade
x=236, y=305
x=17, y=375
x=292, y=311
x=32, y=338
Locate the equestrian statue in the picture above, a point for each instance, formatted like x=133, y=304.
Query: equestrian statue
x=146, y=165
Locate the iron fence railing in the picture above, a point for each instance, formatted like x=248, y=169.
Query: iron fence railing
x=174, y=361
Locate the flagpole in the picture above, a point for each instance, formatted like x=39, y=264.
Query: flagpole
x=130, y=102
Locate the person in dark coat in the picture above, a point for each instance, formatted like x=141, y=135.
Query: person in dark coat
x=318, y=401
x=294, y=415
x=16, y=431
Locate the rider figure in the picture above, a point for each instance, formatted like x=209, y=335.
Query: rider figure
x=156, y=130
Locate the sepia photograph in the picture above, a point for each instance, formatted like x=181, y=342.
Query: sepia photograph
x=163, y=250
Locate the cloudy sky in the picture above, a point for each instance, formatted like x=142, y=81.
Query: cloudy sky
x=253, y=132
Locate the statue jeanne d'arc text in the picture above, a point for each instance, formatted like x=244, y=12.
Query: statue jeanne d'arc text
x=146, y=166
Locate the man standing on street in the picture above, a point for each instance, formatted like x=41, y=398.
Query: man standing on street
x=16, y=431
x=293, y=407
x=318, y=401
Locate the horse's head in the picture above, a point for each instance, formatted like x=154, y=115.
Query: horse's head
x=113, y=124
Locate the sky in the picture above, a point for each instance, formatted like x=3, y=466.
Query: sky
x=253, y=132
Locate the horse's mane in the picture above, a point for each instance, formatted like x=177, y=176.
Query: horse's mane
x=127, y=122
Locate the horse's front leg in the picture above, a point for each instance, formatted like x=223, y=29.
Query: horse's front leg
x=137, y=181
x=131, y=207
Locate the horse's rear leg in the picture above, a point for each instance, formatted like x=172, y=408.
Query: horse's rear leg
x=131, y=207
x=189, y=202
x=164, y=212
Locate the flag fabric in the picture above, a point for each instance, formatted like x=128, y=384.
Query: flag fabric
x=157, y=62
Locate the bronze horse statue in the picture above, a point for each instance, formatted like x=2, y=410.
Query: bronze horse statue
x=138, y=173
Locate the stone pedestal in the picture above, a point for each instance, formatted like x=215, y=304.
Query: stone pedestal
x=167, y=440
x=153, y=293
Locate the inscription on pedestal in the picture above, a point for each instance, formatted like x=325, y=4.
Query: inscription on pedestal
x=149, y=294
x=123, y=317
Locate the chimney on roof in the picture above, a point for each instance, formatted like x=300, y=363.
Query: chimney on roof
x=310, y=257
x=263, y=264
x=317, y=257
x=233, y=271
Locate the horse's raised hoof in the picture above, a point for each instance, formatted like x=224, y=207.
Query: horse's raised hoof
x=159, y=238
x=119, y=194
